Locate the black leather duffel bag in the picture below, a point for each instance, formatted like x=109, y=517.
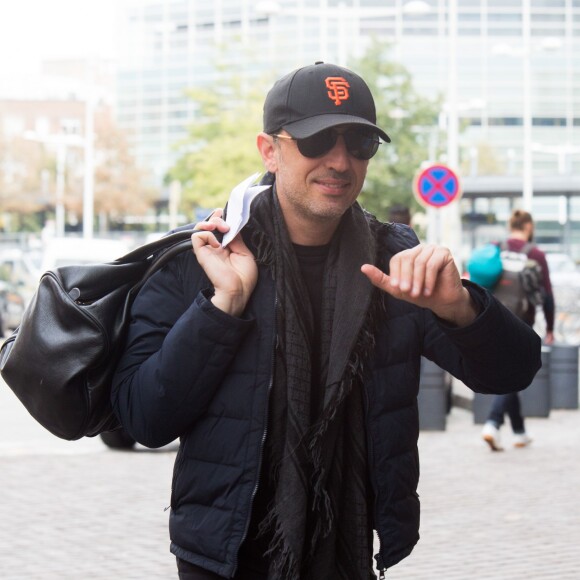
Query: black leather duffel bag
x=60, y=360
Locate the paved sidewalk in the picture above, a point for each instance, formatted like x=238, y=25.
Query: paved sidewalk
x=498, y=515
x=82, y=511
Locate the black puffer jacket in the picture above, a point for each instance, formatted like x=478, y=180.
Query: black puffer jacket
x=192, y=371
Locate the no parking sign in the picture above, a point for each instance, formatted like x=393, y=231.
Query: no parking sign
x=437, y=186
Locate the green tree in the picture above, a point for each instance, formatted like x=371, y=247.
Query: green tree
x=119, y=185
x=220, y=150
x=409, y=119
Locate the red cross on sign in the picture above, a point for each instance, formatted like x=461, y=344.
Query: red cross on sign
x=436, y=186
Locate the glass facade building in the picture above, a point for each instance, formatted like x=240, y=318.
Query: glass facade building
x=508, y=71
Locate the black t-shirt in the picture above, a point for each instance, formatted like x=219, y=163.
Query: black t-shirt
x=311, y=260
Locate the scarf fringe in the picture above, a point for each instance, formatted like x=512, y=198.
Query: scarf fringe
x=354, y=376
x=283, y=564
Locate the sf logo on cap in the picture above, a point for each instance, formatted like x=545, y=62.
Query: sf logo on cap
x=337, y=89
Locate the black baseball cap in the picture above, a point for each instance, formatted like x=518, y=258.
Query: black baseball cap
x=317, y=97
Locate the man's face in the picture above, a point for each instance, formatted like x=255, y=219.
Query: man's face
x=315, y=189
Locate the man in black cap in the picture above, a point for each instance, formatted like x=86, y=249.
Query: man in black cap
x=288, y=361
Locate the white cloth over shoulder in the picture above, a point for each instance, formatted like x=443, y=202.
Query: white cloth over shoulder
x=238, y=209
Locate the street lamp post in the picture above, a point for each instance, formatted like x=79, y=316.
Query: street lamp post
x=527, y=117
x=60, y=176
x=61, y=141
x=89, y=173
x=450, y=216
x=527, y=180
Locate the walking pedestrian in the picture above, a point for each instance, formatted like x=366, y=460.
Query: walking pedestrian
x=521, y=226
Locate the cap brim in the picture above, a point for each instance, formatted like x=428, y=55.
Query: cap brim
x=308, y=127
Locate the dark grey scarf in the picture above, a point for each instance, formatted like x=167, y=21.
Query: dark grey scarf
x=319, y=520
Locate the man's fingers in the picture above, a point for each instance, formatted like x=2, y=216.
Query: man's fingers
x=238, y=246
x=376, y=277
x=203, y=238
x=425, y=269
x=213, y=222
x=402, y=270
x=413, y=273
x=436, y=265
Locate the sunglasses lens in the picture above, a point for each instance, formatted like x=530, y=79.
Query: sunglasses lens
x=318, y=144
x=361, y=144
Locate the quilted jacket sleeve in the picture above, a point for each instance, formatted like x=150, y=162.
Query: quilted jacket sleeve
x=497, y=353
x=177, y=352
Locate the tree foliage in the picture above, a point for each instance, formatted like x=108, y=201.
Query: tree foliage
x=120, y=186
x=28, y=175
x=220, y=149
x=25, y=169
x=409, y=119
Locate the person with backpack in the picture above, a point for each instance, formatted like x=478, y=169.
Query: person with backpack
x=519, y=291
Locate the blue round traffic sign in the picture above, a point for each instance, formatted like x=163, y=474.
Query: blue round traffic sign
x=437, y=186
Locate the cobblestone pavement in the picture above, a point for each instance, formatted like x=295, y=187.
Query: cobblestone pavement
x=81, y=511
x=507, y=515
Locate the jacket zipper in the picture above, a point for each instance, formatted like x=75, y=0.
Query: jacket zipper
x=176, y=468
x=263, y=442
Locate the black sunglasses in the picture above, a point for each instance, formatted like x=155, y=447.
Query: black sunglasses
x=359, y=143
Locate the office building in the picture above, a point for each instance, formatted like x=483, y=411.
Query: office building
x=508, y=71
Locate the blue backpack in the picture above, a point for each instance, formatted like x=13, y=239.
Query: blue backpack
x=485, y=266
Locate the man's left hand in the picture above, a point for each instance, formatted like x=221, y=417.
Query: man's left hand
x=427, y=276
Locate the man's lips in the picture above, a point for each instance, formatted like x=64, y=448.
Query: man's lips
x=336, y=185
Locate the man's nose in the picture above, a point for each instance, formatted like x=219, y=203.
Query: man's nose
x=339, y=157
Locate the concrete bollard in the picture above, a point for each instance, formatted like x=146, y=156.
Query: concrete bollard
x=535, y=399
x=564, y=376
x=432, y=399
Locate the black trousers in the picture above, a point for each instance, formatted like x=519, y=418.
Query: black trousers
x=188, y=571
x=509, y=404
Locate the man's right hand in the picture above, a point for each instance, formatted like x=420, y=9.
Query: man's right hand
x=232, y=270
x=214, y=222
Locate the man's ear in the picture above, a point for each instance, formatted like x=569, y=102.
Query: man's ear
x=266, y=148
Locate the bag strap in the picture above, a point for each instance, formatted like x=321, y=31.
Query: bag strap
x=161, y=252
x=526, y=249
x=152, y=248
x=157, y=262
